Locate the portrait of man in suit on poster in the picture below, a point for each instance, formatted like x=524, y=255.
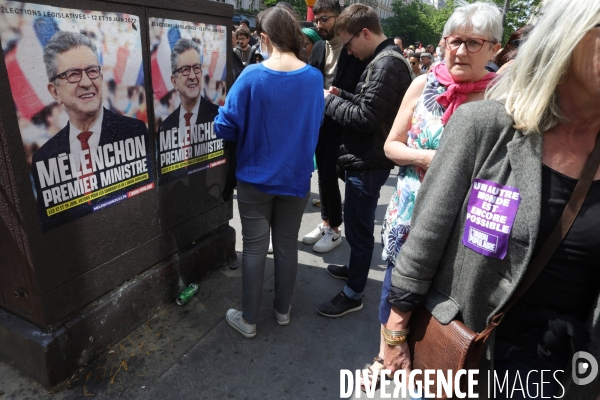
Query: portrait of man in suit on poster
x=75, y=81
x=195, y=109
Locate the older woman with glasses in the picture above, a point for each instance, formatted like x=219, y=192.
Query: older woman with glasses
x=537, y=139
x=471, y=38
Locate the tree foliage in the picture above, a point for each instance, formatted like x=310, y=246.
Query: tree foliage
x=298, y=5
x=417, y=21
x=519, y=13
x=413, y=21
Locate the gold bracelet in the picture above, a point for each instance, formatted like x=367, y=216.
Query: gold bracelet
x=393, y=340
x=396, y=333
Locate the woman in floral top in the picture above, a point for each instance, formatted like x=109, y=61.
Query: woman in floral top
x=417, y=131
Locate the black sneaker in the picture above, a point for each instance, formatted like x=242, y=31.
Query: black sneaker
x=339, y=305
x=338, y=271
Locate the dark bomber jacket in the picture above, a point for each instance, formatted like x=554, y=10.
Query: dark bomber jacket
x=361, y=114
x=347, y=74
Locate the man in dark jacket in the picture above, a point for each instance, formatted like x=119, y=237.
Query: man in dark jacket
x=243, y=47
x=236, y=61
x=366, y=117
x=341, y=70
x=246, y=24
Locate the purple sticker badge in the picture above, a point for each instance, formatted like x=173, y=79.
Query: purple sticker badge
x=490, y=216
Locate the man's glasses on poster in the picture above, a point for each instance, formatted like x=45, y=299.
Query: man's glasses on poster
x=186, y=69
x=74, y=75
x=473, y=45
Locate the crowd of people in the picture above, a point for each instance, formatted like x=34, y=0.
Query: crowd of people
x=518, y=121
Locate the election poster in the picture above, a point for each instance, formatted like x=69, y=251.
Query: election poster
x=77, y=81
x=188, y=64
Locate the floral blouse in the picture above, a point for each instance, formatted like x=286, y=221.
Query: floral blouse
x=425, y=133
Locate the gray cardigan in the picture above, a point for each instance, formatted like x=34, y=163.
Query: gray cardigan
x=479, y=142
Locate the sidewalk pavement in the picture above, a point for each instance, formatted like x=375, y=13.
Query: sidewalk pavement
x=190, y=351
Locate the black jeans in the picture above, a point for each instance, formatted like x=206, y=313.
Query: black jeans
x=326, y=155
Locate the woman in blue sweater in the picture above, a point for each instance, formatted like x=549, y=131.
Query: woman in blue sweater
x=273, y=113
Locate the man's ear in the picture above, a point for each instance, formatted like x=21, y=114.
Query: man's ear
x=173, y=82
x=367, y=33
x=53, y=92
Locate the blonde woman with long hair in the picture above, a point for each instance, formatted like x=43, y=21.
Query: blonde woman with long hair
x=531, y=139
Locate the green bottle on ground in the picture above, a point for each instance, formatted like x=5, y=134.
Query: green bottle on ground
x=187, y=293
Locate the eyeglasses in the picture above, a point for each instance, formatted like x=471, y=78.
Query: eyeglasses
x=473, y=45
x=350, y=41
x=305, y=44
x=413, y=63
x=322, y=19
x=185, y=70
x=74, y=75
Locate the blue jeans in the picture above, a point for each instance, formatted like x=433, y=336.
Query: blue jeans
x=362, y=193
x=385, y=308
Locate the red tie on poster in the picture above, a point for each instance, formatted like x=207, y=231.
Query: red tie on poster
x=188, y=128
x=83, y=138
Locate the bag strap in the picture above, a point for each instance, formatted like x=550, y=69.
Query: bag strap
x=386, y=53
x=556, y=236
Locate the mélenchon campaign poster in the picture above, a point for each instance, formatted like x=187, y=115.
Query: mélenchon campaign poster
x=188, y=79
x=77, y=81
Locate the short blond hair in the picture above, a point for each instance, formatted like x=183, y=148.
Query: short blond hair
x=529, y=87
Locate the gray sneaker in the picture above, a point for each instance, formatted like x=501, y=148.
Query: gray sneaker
x=234, y=318
x=283, y=319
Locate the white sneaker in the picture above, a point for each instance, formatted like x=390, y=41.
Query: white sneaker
x=315, y=235
x=283, y=319
x=329, y=241
x=270, y=250
x=234, y=318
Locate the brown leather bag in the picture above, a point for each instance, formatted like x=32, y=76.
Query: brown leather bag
x=455, y=346
x=445, y=347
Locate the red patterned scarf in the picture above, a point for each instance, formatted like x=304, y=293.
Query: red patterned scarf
x=456, y=92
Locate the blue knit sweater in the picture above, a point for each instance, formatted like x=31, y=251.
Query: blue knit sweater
x=274, y=117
